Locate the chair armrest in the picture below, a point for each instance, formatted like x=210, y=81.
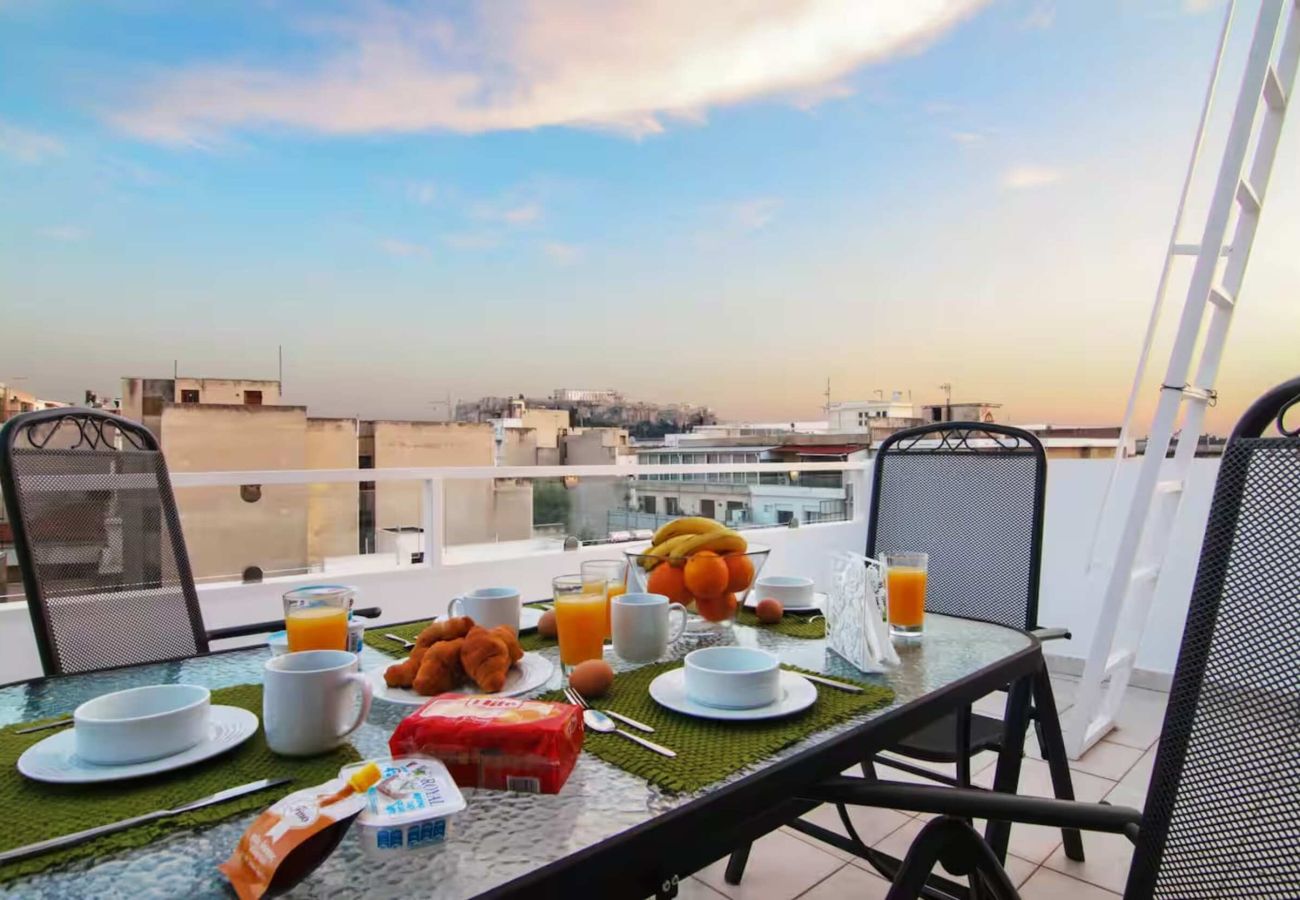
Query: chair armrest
x=975, y=803
x=1051, y=634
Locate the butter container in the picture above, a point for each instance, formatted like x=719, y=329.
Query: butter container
x=409, y=810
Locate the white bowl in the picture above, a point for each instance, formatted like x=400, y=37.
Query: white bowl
x=791, y=590
x=141, y=724
x=732, y=677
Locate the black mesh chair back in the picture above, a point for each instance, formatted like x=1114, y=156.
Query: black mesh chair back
x=99, y=541
x=1222, y=815
x=971, y=496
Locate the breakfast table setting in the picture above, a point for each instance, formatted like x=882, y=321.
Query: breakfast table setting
x=654, y=712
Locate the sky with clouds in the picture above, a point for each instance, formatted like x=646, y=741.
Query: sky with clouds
x=723, y=203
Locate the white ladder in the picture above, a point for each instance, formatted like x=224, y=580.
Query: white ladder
x=1125, y=572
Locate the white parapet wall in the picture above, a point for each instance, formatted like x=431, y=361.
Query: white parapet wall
x=1075, y=489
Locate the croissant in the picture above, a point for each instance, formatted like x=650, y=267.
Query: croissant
x=440, y=670
x=444, y=630
x=400, y=675
x=512, y=642
x=486, y=659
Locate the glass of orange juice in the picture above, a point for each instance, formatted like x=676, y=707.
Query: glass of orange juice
x=905, y=575
x=579, y=620
x=316, y=617
x=609, y=576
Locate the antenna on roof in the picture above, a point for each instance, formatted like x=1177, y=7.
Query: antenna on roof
x=279, y=350
x=828, y=398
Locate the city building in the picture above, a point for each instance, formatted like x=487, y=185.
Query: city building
x=14, y=401
x=744, y=498
x=143, y=398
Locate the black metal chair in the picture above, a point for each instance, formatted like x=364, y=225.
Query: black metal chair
x=971, y=495
x=99, y=542
x=1222, y=812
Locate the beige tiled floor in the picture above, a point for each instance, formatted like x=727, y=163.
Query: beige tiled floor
x=787, y=864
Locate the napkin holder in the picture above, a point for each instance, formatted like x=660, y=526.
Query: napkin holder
x=855, y=626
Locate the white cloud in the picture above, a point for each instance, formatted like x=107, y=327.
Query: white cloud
x=27, y=146
x=402, y=249
x=519, y=64
x=562, y=254
x=751, y=215
x=470, y=241
x=967, y=138
x=1027, y=177
x=422, y=193
x=64, y=233
x=1040, y=18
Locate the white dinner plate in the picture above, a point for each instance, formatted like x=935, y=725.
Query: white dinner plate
x=797, y=694
x=531, y=672
x=818, y=603
x=528, y=618
x=55, y=760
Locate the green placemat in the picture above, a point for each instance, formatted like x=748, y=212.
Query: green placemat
x=34, y=811
x=793, y=624
x=708, y=750
x=374, y=637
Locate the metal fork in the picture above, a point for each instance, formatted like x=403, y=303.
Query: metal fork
x=578, y=700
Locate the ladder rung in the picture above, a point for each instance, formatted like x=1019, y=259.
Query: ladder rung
x=1145, y=573
x=1274, y=93
x=1192, y=394
x=1247, y=196
x=1195, y=250
x=1172, y=486
x=1220, y=297
x=1118, y=660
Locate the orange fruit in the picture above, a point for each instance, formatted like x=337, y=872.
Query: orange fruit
x=706, y=575
x=668, y=580
x=717, y=609
x=740, y=572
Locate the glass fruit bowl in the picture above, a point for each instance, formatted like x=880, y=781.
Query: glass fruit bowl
x=711, y=585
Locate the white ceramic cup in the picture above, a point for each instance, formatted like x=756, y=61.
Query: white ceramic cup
x=307, y=700
x=140, y=724
x=792, y=590
x=488, y=607
x=732, y=677
x=640, y=623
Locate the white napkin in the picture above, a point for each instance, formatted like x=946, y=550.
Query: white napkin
x=855, y=628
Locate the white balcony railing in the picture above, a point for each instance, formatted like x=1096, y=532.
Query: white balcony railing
x=413, y=591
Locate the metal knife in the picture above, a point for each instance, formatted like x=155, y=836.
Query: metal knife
x=57, y=723
x=79, y=837
x=829, y=682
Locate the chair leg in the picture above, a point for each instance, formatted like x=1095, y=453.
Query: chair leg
x=1047, y=723
x=962, y=851
x=1007, y=777
x=963, y=746
x=736, y=864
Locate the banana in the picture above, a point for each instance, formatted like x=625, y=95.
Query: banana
x=652, y=557
x=721, y=541
x=686, y=525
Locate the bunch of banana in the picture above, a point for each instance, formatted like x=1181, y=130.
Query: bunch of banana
x=681, y=537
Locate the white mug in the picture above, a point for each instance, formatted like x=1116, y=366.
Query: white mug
x=488, y=607
x=640, y=625
x=307, y=700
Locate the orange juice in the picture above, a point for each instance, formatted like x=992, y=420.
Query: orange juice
x=905, y=594
x=615, y=589
x=580, y=621
x=317, y=628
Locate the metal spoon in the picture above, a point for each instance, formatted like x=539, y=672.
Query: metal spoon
x=598, y=721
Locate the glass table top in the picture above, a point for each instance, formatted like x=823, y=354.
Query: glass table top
x=501, y=835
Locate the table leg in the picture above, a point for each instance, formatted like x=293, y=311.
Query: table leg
x=1053, y=746
x=1007, y=777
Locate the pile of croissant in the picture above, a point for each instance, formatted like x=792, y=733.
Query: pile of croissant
x=449, y=653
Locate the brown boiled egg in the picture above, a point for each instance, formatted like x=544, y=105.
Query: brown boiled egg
x=592, y=678
x=546, y=624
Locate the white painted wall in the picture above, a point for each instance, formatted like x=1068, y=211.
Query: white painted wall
x=1075, y=489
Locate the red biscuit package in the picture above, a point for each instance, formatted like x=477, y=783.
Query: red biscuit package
x=495, y=742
